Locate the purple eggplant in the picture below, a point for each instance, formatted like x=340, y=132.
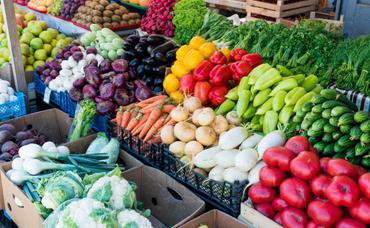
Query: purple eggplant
x=106, y=90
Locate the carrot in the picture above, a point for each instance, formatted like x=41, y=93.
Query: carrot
x=170, y=122
x=156, y=139
x=125, y=119
x=168, y=108
x=151, y=100
x=152, y=105
x=154, y=129
x=119, y=115
x=153, y=117
x=140, y=125
x=133, y=122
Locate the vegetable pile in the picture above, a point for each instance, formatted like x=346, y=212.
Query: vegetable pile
x=333, y=126
x=297, y=189
x=148, y=57
x=55, y=7
x=82, y=122
x=159, y=18
x=70, y=8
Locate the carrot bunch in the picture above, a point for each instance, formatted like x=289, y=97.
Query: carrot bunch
x=146, y=118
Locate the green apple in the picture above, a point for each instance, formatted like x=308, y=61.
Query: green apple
x=38, y=63
x=4, y=43
x=46, y=36
x=54, y=32
x=48, y=48
x=29, y=17
x=27, y=37
x=5, y=53
x=43, y=24
x=60, y=36
x=61, y=43
x=68, y=40
x=25, y=49
x=49, y=59
x=40, y=54
x=36, y=43
x=55, y=51
x=29, y=68
x=20, y=29
x=2, y=36
x=24, y=60
x=35, y=29
x=54, y=42
x=2, y=61
x=30, y=60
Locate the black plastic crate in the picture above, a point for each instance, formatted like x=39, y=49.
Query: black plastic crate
x=221, y=195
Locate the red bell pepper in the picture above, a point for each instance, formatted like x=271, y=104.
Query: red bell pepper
x=220, y=75
x=216, y=95
x=201, y=90
x=253, y=59
x=187, y=84
x=202, y=71
x=237, y=54
x=240, y=69
x=218, y=58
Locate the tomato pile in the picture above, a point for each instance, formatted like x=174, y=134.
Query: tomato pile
x=297, y=189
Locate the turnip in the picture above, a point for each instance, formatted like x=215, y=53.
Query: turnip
x=233, y=118
x=179, y=114
x=206, y=158
x=192, y=148
x=233, y=138
x=184, y=131
x=272, y=139
x=254, y=173
x=234, y=174
x=246, y=159
x=206, y=116
x=217, y=173
x=226, y=158
x=220, y=124
x=177, y=148
x=251, y=141
x=194, y=117
x=167, y=135
x=192, y=103
x=205, y=135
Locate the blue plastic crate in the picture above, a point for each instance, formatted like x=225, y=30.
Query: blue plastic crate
x=13, y=109
x=55, y=97
x=100, y=123
x=70, y=106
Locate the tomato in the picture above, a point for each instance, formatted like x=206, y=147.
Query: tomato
x=312, y=224
x=297, y=144
x=364, y=184
x=295, y=192
x=324, y=163
x=338, y=166
x=342, y=191
x=323, y=212
x=349, y=223
x=201, y=90
x=294, y=218
x=279, y=204
x=305, y=166
x=259, y=193
x=360, y=170
x=266, y=209
x=314, y=150
x=277, y=218
x=319, y=184
x=278, y=157
x=361, y=210
x=271, y=176
x=187, y=84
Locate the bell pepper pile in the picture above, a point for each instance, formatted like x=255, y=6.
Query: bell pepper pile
x=297, y=189
x=207, y=73
x=267, y=96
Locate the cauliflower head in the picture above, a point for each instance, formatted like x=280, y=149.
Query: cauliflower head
x=130, y=218
x=114, y=191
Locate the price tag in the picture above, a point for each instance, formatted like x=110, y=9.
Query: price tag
x=47, y=95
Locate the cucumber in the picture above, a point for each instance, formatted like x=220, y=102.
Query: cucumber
x=328, y=128
x=307, y=107
x=365, y=162
x=331, y=104
x=355, y=160
x=345, y=141
x=365, y=126
x=301, y=113
x=326, y=114
x=336, y=135
x=346, y=119
x=304, y=134
x=345, y=129
x=327, y=138
x=338, y=148
x=339, y=155
x=317, y=109
x=355, y=133
x=312, y=133
x=313, y=140
x=318, y=125
x=297, y=119
x=318, y=99
x=361, y=149
x=313, y=116
x=365, y=138
x=306, y=124
x=330, y=94
x=347, y=102
x=320, y=146
x=339, y=110
x=361, y=117
x=334, y=121
x=329, y=149
x=350, y=152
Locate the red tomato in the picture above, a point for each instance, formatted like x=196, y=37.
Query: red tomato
x=277, y=218
x=271, y=176
x=319, y=184
x=312, y=224
x=342, y=191
x=338, y=166
x=349, y=223
x=323, y=212
x=361, y=210
x=259, y=193
x=324, y=163
x=297, y=144
x=295, y=192
x=364, y=184
x=279, y=204
x=314, y=150
x=266, y=209
x=278, y=157
x=360, y=170
x=187, y=84
x=294, y=218
x=305, y=166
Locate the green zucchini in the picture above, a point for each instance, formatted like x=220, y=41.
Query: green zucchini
x=361, y=149
x=312, y=133
x=355, y=160
x=318, y=125
x=327, y=138
x=339, y=110
x=339, y=155
x=301, y=113
x=328, y=128
x=365, y=138
x=346, y=119
x=317, y=99
x=345, y=129
x=365, y=126
x=338, y=148
x=350, y=152
x=297, y=119
x=336, y=135
x=361, y=116
x=313, y=116
x=365, y=162
x=307, y=106
x=355, y=133
x=330, y=94
x=329, y=149
x=313, y=140
x=334, y=121
x=326, y=114
x=317, y=109
x=345, y=141
x=320, y=146
x=331, y=104
x=306, y=124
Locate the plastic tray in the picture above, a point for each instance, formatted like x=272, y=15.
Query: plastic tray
x=13, y=109
x=222, y=195
x=115, y=29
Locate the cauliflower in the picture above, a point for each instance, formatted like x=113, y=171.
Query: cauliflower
x=114, y=191
x=130, y=218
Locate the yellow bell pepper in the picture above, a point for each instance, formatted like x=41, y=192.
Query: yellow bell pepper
x=181, y=52
x=176, y=97
x=192, y=59
x=207, y=49
x=179, y=69
x=196, y=42
x=226, y=53
x=171, y=83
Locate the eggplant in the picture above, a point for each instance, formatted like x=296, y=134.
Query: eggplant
x=161, y=70
x=156, y=39
x=140, y=49
x=148, y=68
x=158, y=81
x=157, y=89
x=171, y=55
x=140, y=70
x=143, y=40
x=150, y=48
x=160, y=57
x=150, y=61
x=128, y=47
x=133, y=39
x=134, y=63
x=163, y=48
x=129, y=55
x=148, y=80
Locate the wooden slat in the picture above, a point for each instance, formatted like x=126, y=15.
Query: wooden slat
x=280, y=5
x=264, y=12
x=265, y=5
x=297, y=11
x=228, y=3
x=295, y=5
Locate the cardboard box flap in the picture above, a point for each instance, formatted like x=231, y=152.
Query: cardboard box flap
x=214, y=219
x=169, y=201
x=6, y=165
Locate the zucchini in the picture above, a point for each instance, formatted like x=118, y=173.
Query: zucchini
x=320, y=146
x=318, y=125
x=336, y=135
x=328, y=128
x=345, y=129
x=345, y=141
x=361, y=117
x=312, y=133
x=361, y=149
x=334, y=121
x=307, y=106
x=313, y=140
x=350, y=152
x=355, y=133
x=355, y=160
x=346, y=119
x=326, y=114
x=339, y=155
x=365, y=138
x=317, y=109
x=330, y=94
x=340, y=110
x=297, y=119
x=306, y=124
x=331, y=104
x=327, y=138
x=338, y=148
x=365, y=162
x=301, y=113
x=313, y=116
x=318, y=99
x=329, y=149
x=365, y=126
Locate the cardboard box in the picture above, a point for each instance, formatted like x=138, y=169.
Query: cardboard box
x=254, y=218
x=214, y=219
x=53, y=123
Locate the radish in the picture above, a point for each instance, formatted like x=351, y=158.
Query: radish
x=272, y=139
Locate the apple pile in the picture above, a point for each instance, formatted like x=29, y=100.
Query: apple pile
x=297, y=189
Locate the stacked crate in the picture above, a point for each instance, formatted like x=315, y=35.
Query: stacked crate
x=233, y=5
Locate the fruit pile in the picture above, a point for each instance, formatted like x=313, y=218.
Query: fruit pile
x=144, y=3
x=70, y=8
x=297, y=189
x=40, y=5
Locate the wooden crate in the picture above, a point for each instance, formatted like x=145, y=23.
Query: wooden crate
x=237, y=5
x=279, y=8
